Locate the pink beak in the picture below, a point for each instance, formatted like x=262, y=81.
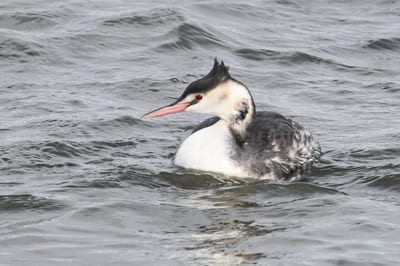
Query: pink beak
x=170, y=109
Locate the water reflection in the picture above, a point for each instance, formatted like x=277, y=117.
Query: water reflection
x=233, y=209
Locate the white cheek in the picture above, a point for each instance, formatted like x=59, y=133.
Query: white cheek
x=199, y=107
x=212, y=106
x=207, y=106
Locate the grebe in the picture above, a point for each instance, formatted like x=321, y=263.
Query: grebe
x=239, y=141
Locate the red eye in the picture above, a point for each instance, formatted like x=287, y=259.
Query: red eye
x=199, y=97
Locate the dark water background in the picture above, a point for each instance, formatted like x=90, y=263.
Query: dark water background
x=84, y=181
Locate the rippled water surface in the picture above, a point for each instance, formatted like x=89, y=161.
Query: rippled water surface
x=84, y=181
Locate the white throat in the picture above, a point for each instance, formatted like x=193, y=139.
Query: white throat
x=210, y=149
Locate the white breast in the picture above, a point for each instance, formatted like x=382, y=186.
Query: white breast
x=209, y=149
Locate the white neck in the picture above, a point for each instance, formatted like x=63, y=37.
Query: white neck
x=242, y=111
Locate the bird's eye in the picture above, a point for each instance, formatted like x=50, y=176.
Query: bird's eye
x=198, y=97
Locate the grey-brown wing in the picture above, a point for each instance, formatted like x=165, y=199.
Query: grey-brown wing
x=280, y=145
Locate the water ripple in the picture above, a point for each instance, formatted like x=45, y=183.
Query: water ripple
x=27, y=21
x=295, y=57
x=26, y=202
x=190, y=36
x=384, y=44
x=154, y=17
x=19, y=49
x=390, y=182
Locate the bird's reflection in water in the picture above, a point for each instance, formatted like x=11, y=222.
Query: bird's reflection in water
x=242, y=213
x=222, y=240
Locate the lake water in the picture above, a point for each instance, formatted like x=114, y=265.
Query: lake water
x=84, y=181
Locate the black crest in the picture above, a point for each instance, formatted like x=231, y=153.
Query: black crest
x=219, y=73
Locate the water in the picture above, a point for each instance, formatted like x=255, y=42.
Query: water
x=84, y=181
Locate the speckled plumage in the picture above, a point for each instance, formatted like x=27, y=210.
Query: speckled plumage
x=274, y=147
x=278, y=146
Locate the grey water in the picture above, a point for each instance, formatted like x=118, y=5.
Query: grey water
x=85, y=181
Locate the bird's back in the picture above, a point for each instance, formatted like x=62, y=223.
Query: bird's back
x=277, y=146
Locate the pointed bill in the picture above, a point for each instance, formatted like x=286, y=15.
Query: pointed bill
x=166, y=110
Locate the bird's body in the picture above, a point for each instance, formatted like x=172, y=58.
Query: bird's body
x=275, y=147
x=240, y=141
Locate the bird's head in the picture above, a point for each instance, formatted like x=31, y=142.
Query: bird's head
x=216, y=93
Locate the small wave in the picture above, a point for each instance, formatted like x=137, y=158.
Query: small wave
x=389, y=182
x=288, y=57
x=256, y=54
x=194, y=181
x=357, y=160
x=384, y=44
x=28, y=202
x=97, y=183
x=27, y=21
x=296, y=57
x=77, y=149
x=18, y=49
x=331, y=169
x=39, y=166
x=361, y=167
x=129, y=120
x=59, y=154
x=190, y=36
x=113, y=144
x=300, y=57
x=376, y=154
x=64, y=149
x=152, y=18
x=389, y=87
x=118, y=122
x=297, y=189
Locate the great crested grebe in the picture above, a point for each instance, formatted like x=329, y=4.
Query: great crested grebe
x=239, y=141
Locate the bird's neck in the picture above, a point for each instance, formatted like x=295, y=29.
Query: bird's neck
x=244, y=111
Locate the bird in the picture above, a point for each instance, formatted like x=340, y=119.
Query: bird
x=239, y=141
